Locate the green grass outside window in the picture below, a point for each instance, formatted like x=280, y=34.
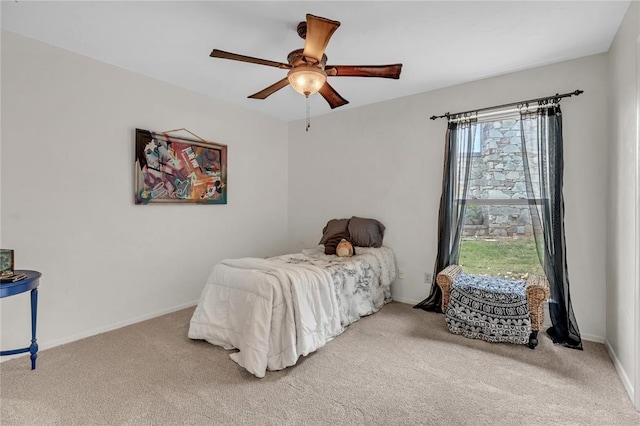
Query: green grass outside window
x=504, y=257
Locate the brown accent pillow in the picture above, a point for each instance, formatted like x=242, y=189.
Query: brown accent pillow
x=365, y=232
x=333, y=228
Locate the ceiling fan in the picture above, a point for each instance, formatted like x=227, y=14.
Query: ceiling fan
x=307, y=67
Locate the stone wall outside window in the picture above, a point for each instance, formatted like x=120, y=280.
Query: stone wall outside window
x=497, y=173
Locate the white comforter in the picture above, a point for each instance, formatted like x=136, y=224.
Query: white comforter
x=272, y=312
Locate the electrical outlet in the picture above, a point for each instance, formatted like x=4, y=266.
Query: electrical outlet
x=427, y=278
x=401, y=274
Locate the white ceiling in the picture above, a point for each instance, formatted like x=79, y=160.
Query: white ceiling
x=440, y=43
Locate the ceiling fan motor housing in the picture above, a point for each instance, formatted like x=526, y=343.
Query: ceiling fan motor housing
x=296, y=58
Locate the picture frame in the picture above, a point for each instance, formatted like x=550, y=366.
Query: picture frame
x=7, y=264
x=175, y=169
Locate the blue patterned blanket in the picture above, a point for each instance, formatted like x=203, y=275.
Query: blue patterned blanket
x=489, y=308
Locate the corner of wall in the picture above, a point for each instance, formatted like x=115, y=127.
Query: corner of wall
x=626, y=380
x=636, y=391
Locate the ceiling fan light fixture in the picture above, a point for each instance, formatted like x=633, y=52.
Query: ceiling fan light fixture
x=306, y=80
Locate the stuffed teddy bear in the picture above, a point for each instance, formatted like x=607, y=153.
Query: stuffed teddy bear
x=344, y=248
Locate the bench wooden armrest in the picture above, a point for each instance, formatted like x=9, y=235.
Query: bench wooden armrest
x=444, y=279
x=537, y=290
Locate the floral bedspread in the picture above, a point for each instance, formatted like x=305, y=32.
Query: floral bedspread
x=489, y=308
x=362, y=282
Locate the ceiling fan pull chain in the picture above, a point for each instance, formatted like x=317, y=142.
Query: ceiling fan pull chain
x=308, y=113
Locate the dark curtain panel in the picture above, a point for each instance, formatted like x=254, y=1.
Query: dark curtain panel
x=542, y=147
x=455, y=183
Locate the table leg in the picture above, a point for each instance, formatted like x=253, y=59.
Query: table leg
x=34, y=314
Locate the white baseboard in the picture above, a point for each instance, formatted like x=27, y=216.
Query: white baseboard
x=42, y=345
x=592, y=338
x=626, y=381
x=407, y=301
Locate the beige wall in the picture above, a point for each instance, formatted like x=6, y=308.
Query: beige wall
x=67, y=193
x=385, y=161
x=623, y=253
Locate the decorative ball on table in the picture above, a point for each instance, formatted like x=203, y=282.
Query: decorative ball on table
x=344, y=248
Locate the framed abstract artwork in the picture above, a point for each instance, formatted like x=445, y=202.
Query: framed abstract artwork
x=172, y=169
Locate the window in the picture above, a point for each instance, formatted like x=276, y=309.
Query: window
x=476, y=144
x=497, y=236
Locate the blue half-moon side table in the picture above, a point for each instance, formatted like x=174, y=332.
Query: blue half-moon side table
x=11, y=289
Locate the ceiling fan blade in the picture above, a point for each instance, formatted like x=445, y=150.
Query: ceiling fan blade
x=332, y=97
x=319, y=31
x=384, y=71
x=215, y=53
x=270, y=90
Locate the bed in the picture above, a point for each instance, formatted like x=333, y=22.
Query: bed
x=278, y=309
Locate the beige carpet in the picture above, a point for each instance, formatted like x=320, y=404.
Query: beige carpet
x=399, y=366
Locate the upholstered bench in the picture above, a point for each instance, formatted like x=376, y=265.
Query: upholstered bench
x=491, y=308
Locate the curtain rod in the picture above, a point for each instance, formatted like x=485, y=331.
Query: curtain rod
x=556, y=96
